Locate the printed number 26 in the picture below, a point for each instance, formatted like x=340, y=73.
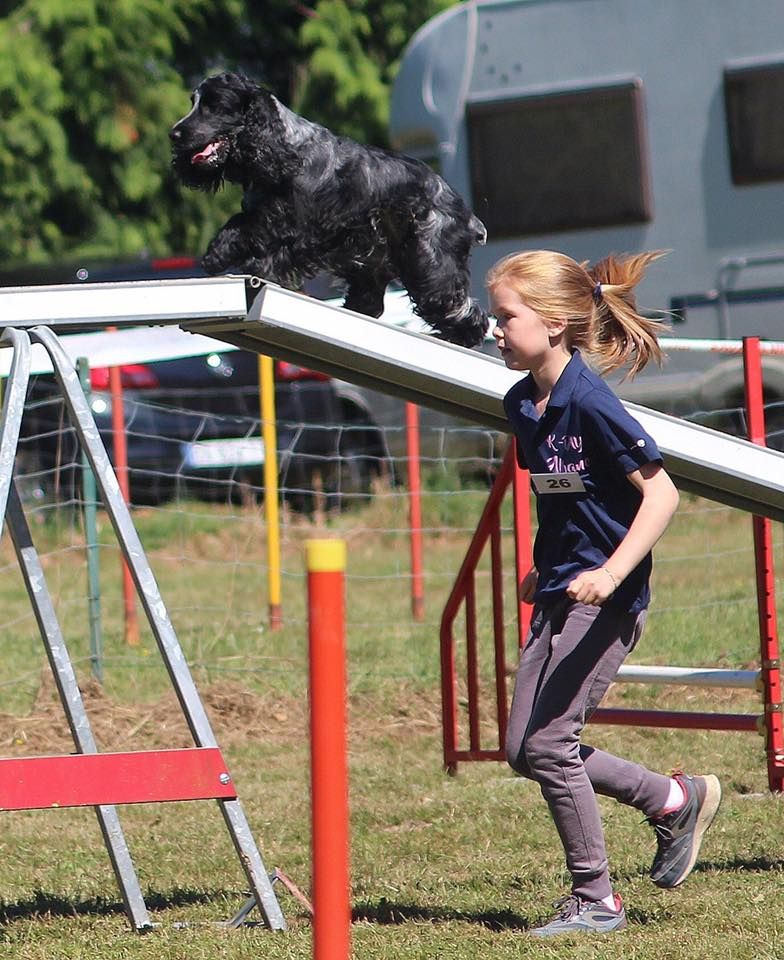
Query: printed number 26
x=553, y=483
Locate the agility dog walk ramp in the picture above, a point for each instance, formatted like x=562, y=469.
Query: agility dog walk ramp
x=79, y=307
x=467, y=384
x=374, y=353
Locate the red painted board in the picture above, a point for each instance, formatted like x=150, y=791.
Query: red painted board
x=92, y=779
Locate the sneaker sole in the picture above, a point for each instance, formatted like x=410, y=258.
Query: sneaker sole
x=545, y=933
x=705, y=818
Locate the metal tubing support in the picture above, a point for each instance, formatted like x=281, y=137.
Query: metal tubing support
x=680, y=720
x=12, y=410
x=90, y=496
x=472, y=663
x=448, y=695
x=765, y=578
x=73, y=705
x=734, y=267
x=157, y=615
x=689, y=676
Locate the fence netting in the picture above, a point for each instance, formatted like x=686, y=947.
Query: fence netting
x=197, y=499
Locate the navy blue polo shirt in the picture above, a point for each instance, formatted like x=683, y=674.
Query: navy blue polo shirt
x=584, y=430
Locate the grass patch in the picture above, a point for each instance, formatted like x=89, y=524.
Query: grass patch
x=441, y=867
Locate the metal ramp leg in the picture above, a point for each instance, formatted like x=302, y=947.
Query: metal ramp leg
x=57, y=654
x=13, y=408
x=157, y=615
x=72, y=702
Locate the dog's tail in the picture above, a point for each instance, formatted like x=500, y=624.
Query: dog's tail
x=478, y=230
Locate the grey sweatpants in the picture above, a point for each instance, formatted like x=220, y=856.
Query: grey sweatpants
x=570, y=658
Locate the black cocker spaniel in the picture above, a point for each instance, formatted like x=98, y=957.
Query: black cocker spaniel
x=314, y=202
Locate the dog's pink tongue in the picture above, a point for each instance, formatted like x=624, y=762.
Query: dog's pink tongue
x=206, y=153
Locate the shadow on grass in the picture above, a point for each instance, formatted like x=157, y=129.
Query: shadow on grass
x=43, y=904
x=749, y=864
x=729, y=865
x=386, y=912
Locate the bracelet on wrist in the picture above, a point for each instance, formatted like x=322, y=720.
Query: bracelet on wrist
x=615, y=581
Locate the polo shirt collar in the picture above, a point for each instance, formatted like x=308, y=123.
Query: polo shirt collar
x=564, y=387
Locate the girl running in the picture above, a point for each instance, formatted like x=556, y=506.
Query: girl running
x=603, y=501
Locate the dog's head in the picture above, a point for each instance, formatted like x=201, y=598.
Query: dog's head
x=233, y=132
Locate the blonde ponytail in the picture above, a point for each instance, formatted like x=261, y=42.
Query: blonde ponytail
x=621, y=335
x=597, y=302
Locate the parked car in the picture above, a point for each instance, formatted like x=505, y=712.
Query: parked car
x=193, y=424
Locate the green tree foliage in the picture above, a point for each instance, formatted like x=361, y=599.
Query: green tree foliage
x=35, y=166
x=257, y=37
x=89, y=89
x=353, y=50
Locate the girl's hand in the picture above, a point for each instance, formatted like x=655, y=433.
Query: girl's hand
x=528, y=586
x=593, y=586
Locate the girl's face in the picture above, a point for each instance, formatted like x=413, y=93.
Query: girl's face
x=522, y=336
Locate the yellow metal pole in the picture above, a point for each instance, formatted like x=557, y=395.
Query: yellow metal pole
x=269, y=435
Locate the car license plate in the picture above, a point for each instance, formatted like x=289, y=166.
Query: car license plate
x=240, y=452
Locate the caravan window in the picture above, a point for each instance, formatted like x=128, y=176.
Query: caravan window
x=563, y=161
x=753, y=98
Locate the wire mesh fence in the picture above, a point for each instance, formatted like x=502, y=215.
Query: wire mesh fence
x=196, y=481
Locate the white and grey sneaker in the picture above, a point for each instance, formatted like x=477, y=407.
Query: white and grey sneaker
x=576, y=915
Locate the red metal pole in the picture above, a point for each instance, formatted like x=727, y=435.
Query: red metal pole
x=472, y=665
x=120, y=444
x=521, y=492
x=499, y=634
x=681, y=720
x=458, y=593
x=326, y=564
x=415, y=511
x=766, y=583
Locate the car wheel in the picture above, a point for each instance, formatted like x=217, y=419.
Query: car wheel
x=341, y=481
x=348, y=479
x=729, y=416
x=774, y=422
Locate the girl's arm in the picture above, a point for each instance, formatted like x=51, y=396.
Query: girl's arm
x=659, y=503
x=528, y=586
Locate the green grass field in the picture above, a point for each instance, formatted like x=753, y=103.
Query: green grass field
x=454, y=867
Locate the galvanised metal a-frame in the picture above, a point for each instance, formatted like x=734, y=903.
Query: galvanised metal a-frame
x=90, y=778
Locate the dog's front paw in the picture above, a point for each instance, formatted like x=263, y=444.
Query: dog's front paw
x=212, y=265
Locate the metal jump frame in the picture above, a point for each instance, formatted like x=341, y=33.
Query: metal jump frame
x=767, y=679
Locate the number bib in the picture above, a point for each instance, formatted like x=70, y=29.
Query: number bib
x=557, y=483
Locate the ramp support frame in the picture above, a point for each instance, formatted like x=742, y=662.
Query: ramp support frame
x=91, y=778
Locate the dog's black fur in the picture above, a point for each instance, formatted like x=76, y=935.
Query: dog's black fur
x=317, y=202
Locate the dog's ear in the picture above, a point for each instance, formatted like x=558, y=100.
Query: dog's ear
x=231, y=94
x=265, y=145
x=243, y=87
